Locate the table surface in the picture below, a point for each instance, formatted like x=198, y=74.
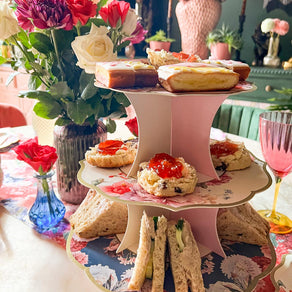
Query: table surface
x=31, y=263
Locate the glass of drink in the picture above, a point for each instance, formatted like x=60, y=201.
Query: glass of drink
x=276, y=143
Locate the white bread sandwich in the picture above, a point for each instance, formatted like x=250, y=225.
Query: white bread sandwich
x=150, y=260
x=185, y=259
x=242, y=223
x=98, y=216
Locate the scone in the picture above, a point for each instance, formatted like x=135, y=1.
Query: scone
x=242, y=223
x=112, y=153
x=166, y=176
x=98, y=216
x=229, y=155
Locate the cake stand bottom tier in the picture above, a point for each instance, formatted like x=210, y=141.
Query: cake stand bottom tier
x=243, y=267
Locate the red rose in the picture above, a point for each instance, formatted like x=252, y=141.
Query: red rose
x=40, y=158
x=132, y=126
x=81, y=10
x=115, y=11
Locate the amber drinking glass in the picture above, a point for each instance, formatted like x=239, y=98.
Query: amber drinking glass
x=276, y=143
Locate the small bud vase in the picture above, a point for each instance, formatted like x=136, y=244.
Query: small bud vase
x=272, y=59
x=47, y=210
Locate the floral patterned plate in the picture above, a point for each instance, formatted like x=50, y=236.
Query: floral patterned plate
x=281, y=275
x=233, y=188
x=240, y=271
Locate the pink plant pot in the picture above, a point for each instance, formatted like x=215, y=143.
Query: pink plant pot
x=220, y=51
x=158, y=46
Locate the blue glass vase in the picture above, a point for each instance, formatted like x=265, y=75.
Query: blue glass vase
x=47, y=210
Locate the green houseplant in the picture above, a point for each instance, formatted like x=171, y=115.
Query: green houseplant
x=159, y=41
x=221, y=42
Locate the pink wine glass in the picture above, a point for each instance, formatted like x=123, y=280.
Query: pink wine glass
x=276, y=142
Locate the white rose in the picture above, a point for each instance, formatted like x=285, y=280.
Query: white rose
x=130, y=22
x=8, y=22
x=92, y=48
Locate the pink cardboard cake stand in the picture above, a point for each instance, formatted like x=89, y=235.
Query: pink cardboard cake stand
x=178, y=124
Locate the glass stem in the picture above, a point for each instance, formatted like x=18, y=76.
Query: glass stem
x=277, y=187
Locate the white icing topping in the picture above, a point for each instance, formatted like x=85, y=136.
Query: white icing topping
x=164, y=72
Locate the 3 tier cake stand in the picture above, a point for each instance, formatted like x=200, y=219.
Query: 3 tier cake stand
x=179, y=124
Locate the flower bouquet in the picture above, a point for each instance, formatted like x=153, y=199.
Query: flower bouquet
x=275, y=27
x=58, y=43
x=47, y=210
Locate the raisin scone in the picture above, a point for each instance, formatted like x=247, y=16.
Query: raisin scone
x=166, y=176
x=229, y=155
x=112, y=153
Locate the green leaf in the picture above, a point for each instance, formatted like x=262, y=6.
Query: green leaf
x=111, y=125
x=47, y=110
x=87, y=87
x=62, y=90
x=41, y=42
x=122, y=99
x=23, y=38
x=61, y=121
x=100, y=4
x=34, y=82
x=122, y=45
x=35, y=94
x=78, y=111
x=97, y=21
x=2, y=60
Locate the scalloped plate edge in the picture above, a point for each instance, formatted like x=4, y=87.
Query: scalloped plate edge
x=176, y=209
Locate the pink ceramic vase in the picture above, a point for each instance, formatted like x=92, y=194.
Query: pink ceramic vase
x=196, y=18
x=158, y=46
x=220, y=51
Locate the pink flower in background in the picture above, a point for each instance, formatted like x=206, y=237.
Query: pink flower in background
x=281, y=27
x=43, y=14
x=138, y=35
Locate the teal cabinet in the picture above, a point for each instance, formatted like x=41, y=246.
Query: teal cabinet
x=266, y=80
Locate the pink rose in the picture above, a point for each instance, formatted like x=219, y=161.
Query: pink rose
x=281, y=26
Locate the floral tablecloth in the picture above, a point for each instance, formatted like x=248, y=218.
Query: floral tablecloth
x=17, y=195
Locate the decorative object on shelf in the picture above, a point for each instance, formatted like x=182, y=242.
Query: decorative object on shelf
x=275, y=27
x=159, y=41
x=60, y=43
x=196, y=18
x=47, y=210
x=71, y=142
x=275, y=137
x=221, y=42
x=261, y=43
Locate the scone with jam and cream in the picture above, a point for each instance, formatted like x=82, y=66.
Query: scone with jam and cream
x=167, y=176
x=112, y=153
x=229, y=155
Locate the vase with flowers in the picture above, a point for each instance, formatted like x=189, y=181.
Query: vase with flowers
x=47, y=210
x=275, y=27
x=59, y=42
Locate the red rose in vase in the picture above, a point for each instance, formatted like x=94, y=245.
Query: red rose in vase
x=40, y=158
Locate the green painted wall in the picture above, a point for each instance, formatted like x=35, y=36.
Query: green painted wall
x=230, y=16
